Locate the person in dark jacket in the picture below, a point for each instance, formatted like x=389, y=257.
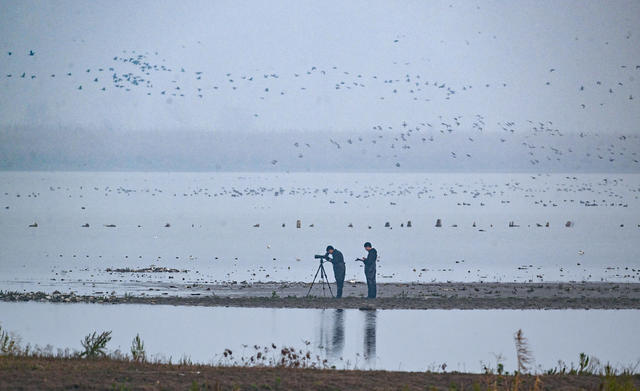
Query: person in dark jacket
x=370, y=269
x=335, y=257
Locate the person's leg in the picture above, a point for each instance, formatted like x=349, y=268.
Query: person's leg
x=371, y=282
x=366, y=274
x=339, y=272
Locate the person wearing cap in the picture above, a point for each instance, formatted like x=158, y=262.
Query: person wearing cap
x=370, y=269
x=335, y=257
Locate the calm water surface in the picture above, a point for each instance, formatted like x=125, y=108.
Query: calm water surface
x=408, y=340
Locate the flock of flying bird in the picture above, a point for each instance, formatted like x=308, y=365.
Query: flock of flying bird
x=133, y=69
x=540, y=142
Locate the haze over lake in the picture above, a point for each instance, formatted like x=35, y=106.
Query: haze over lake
x=326, y=86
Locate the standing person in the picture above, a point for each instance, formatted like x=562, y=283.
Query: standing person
x=370, y=269
x=339, y=268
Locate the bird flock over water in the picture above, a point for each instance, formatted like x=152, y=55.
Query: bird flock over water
x=406, y=207
x=460, y=140
x=532, y=192
x=133, y=69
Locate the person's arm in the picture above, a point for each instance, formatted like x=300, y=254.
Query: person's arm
x=371, y=258
x=327, y=258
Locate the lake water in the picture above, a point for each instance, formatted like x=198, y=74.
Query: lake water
x=222, y=227
x=407, y=340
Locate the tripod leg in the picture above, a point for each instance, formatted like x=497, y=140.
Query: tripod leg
x=314, y=280
x=322, y=279
x=327, y=281
x=329, y=286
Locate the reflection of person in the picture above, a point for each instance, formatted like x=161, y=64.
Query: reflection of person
x=335, y=257
x=370, y=269
x=370, y=335
x=337, y=342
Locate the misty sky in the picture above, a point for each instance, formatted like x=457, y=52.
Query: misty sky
x=316, y=66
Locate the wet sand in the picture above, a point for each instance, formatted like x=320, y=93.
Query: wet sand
x=571, y=295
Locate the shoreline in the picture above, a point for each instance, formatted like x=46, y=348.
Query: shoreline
x=468, y=296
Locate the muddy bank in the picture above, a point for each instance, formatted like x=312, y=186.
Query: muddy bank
x=28, y=373
x=390, y=296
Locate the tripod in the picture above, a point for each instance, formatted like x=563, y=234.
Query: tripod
x=323, y=280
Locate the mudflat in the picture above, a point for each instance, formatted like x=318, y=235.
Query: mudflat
x=454, y=295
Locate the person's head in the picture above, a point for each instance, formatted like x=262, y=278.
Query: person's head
x=330, y=249
x=367, y=246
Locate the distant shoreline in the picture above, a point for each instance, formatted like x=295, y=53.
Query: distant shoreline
x=320, y=172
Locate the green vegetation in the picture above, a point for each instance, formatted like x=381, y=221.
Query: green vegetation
x=137, y=349
x=95, y=344
x=8, y=344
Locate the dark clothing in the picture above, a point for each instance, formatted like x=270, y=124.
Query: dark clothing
x=370, y=272
x=336, y=257
x=339, y=269
x=372, y=257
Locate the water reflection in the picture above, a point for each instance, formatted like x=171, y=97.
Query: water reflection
x=370, y=318
x=337, y=340
x=332, y=338
x=460, y=338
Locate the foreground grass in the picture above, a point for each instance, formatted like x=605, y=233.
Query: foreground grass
x=37, y=373
x=275, y=368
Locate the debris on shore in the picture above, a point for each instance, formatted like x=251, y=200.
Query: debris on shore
x=150, y=269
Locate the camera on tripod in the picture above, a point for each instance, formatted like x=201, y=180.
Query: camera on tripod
x=324, y=279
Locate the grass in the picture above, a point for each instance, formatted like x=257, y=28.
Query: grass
x=23, y=372
x=31, y=373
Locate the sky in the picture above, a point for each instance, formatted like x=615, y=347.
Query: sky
x=85, y=72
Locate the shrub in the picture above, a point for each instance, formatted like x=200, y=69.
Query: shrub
x=525, y=358
x=8, y=345
x=95, y=344
x=137, y=349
